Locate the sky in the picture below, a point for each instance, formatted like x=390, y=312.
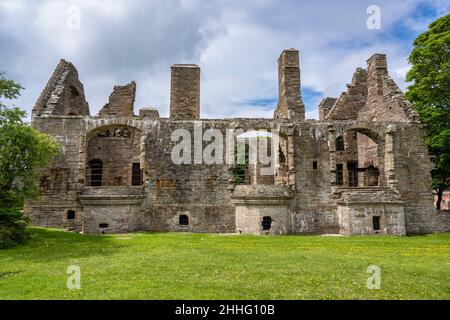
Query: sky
x=236, y=44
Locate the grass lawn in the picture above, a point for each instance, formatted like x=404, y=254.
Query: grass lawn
x=210, y=266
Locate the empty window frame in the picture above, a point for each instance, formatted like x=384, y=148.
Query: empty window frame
x=70, y=215
x=376, y=223
x=315, y=165
x=266, y=223
x=352, y=167
x=136, y=174
x=340, y=144
x=96, y=177
x=372, y=176
x=183, y=220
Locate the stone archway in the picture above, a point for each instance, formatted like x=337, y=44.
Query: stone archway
x=119, y=149
x=360, y=152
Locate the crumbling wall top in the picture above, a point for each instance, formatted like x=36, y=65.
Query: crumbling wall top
x=121, y=101
x=63, y=93
x=353, y=100
x=385, y=100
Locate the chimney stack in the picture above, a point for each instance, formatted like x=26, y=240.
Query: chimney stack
x=185, y=92
x=376, y=73
x=290, y=104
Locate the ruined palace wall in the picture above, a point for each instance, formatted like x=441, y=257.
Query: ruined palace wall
x=59, y=182
x=197, y=190
x=412, y=166
x=313, y=210
x=203, y=191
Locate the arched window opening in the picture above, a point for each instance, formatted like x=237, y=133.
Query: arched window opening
x=261, y=158
x=119, y=148
x=362, y=163
x=266, y=223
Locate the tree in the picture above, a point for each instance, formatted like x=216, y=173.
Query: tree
x=429, y=94
x=23, y=151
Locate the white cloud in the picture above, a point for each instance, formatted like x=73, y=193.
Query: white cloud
x=314, y=114
x=235, y=43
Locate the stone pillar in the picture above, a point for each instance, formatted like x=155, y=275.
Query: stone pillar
x=345, y=174
x=253, y=167
x=82, y=161
x=290, y=104
x=185, y=92
x=290, y=157
x=389, y=158
x=332, y=149
x=143, y=158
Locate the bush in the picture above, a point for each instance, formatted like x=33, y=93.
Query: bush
x=12, y=227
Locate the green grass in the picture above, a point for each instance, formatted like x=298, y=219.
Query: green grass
x=209, y=266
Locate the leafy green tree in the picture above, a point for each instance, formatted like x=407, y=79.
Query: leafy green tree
x=23, y=151
x=430, y=96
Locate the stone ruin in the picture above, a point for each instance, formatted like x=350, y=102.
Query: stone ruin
x=361, y=169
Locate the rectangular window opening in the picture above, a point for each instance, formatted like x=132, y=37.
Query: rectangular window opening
x=352, y=173
x=136, y=174
x=184, y=220
x=70, y=215
x=376, y=223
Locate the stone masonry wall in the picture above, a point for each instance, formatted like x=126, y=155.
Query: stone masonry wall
x=51, y=208
x=185, y=91
x=353, y=100
x=290, y=104
x=385, y=101
x=204, y=194
x=413, y=167
x=325, y=106
x=63, y=94
x=121, y=101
